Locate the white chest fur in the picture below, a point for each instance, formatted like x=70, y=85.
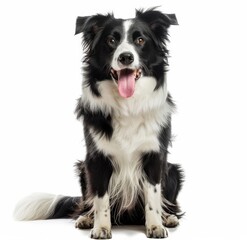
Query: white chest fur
x=136, y=123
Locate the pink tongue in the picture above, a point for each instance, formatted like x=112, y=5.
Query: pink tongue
x=126, y=83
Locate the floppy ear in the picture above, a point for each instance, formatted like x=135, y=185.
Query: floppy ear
x=172, y=19
x=157, y=21
x=91, y=24
x=80, y=21
x=153, y=16
x=90, y=27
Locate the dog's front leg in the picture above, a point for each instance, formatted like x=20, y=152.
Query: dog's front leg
x=102, y=218
x=153, y=211
x=99, y=172
x=152, y=194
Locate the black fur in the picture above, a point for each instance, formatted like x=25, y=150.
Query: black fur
x=99, y=169
x=172, y=184
x=75, y=206
x=152, y=167
x=125, y=177
x=66, y=207
x=104, y=129
x=96, y=120
x=152, y=25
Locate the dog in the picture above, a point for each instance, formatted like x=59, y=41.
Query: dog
x=126, y=112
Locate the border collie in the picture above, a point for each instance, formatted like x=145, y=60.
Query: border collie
x=126, y=112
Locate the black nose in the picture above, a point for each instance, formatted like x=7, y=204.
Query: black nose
x=126, y=58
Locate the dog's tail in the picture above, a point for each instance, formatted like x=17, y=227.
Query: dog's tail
x=46, y=206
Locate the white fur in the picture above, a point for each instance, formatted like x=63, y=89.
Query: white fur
x=102, y=217
x=136, y=122
x=36, y=206
x=125, y=46
x=84, y=221
x=153, y=209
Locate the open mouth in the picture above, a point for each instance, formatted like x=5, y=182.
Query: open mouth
x=126, y=79
x=136, y=73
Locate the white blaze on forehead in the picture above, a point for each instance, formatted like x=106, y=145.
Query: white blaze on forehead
x=126, y=24
x=125, y=46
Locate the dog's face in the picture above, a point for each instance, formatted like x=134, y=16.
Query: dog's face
x=125, y=50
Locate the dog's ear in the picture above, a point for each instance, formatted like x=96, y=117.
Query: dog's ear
x=91, y=28
x=154, y=17
x=80, y=22
x=172, y=19
x=157, y=21
x=91, y=24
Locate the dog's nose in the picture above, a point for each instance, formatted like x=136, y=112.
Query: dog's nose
x=126, y=58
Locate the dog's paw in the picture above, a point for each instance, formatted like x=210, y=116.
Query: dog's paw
x=171, y=221
x=101, y=233
x=157, y=231
x=84, y=222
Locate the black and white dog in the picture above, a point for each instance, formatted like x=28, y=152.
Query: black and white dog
x=126, y=112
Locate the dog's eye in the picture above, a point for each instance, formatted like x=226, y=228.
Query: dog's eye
x=140, y=41
x=111, y=41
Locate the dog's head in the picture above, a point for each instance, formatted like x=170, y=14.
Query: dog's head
x=125, y=50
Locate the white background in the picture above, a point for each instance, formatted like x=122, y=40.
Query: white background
x=40, y=139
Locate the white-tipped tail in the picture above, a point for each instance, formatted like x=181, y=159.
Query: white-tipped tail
x=36, y=206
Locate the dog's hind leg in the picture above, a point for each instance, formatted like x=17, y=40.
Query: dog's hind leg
x=84, y=221
x=84, y=215
x=171, y=186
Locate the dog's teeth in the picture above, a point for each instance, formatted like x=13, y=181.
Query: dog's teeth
x=138, y=74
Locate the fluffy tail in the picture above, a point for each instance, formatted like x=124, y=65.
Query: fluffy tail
x=46, y=206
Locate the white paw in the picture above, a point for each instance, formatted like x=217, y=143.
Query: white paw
x=101, y=233
x=171, y=221
x=157, y=231
x=84, y=222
